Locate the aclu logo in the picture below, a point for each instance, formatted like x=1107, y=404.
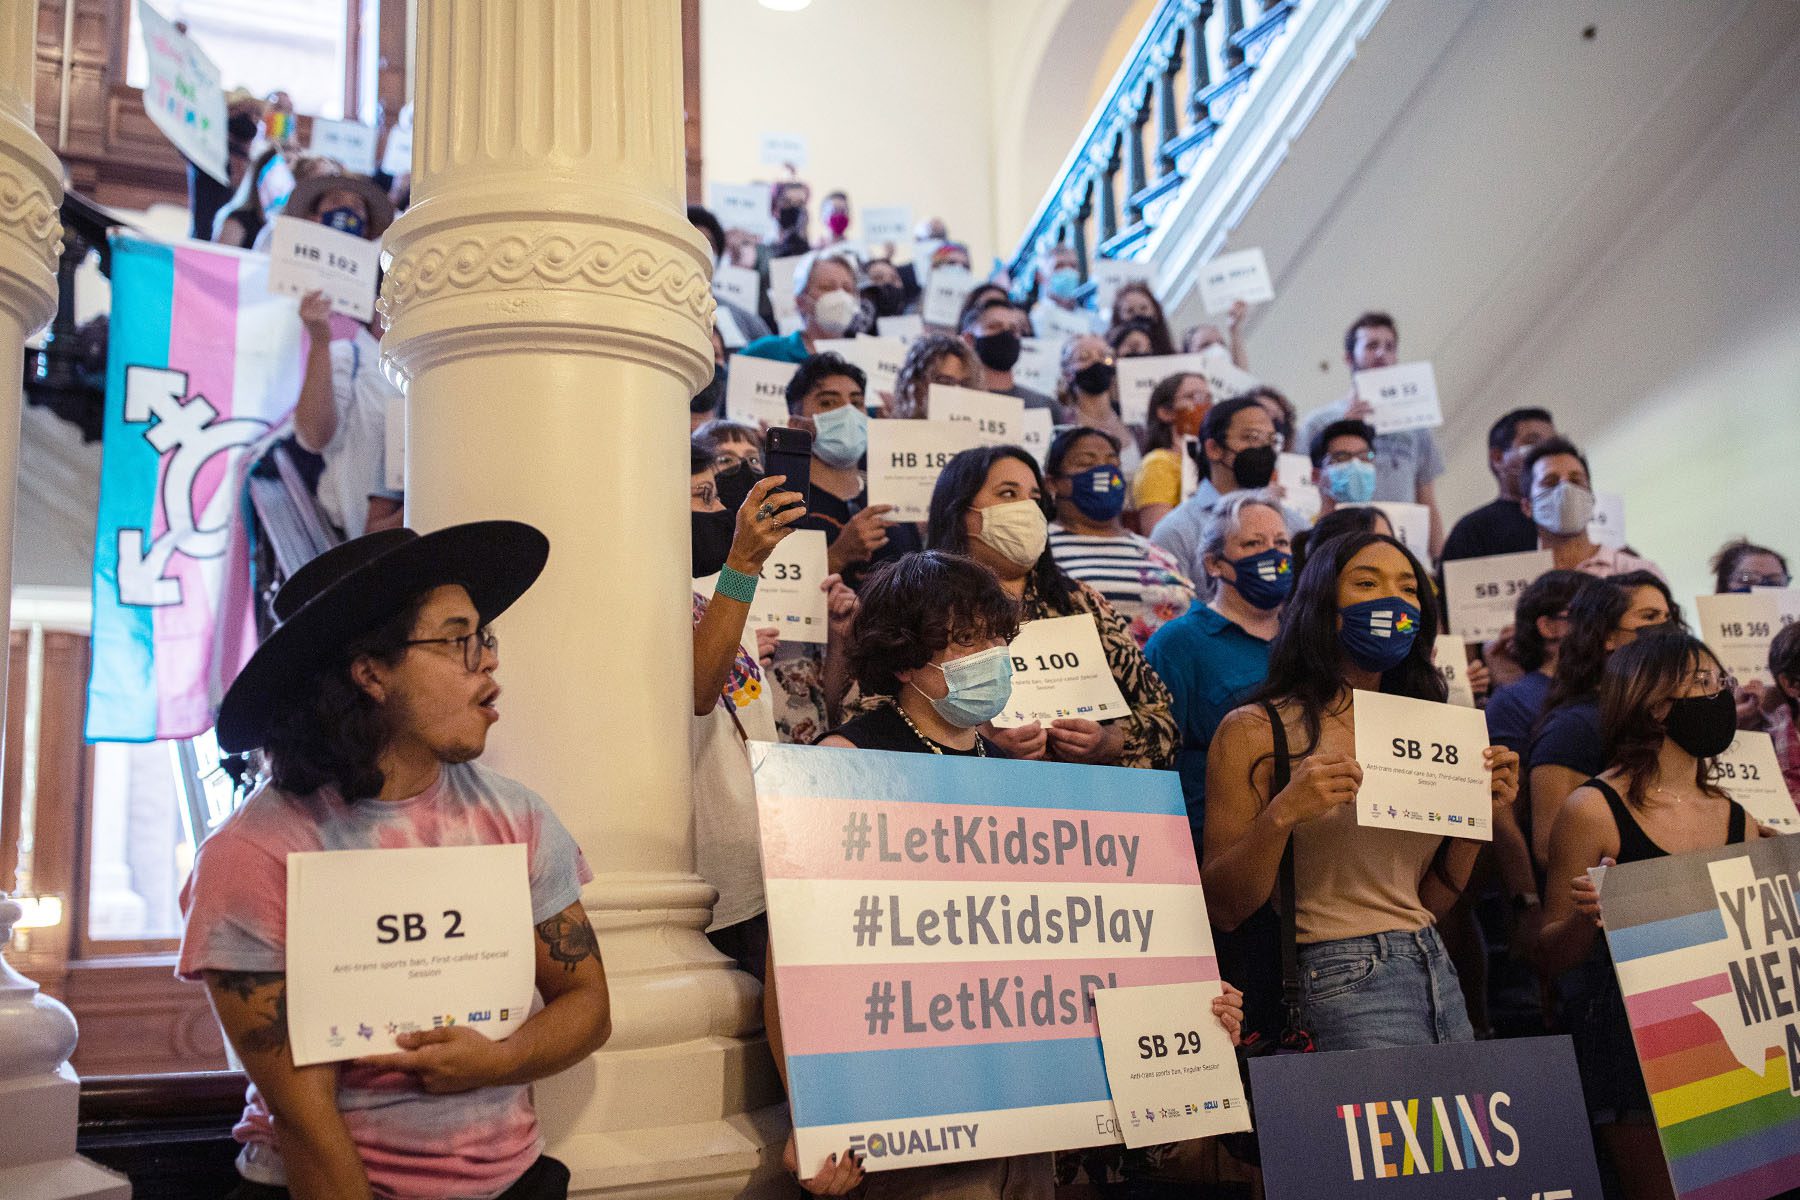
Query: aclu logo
x=899, y=1143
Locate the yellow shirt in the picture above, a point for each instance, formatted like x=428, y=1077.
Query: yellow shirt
x=1158, y=480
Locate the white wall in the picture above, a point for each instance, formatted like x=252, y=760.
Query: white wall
x=891, y=95
x=1676, y=363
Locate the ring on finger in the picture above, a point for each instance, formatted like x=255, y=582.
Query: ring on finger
x=765, y=512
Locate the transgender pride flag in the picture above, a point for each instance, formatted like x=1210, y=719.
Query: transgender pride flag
x=203, y=365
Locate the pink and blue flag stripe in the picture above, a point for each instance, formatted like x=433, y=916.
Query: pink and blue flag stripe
x=204, y=363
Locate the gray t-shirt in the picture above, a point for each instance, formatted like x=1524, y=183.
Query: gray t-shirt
x=1031, y=398
x=1402, y=460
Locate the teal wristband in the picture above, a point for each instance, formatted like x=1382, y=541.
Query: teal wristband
x=735, y=585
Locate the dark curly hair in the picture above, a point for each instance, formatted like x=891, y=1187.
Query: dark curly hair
x=1544, y=596
x=815, y=370
x=1595, y=611
x=957, y=485
x=910, y=608
x=332, y=732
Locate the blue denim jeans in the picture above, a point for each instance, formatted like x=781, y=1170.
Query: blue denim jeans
x=1390, y=989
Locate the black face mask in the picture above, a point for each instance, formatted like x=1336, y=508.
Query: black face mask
x=1095, y=379
x=998, y=351
x=711, y=540
x=889, y=299
x=1702, y=725
x=734, y=484
x=1253, y=468
x=790, y=216
x=708, y=398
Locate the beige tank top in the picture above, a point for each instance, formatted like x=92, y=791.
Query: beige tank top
x=1351, y=881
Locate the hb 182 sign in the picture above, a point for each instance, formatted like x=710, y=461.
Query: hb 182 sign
x=1496, y=1120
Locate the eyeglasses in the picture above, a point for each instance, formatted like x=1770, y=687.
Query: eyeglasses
x=1712, y=682
x=1256, y=438
x=473, y=645
x=724, y=460
x=1744, y=580
x=1338, y=458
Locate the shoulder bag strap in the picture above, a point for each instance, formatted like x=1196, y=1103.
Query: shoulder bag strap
x=1290, y=948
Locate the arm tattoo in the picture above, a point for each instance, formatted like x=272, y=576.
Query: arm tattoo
x=270, y=1030
x=570, y=940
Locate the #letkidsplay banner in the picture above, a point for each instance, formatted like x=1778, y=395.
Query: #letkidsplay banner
x=1707, y=950
x=939, y=925
x=203, y=364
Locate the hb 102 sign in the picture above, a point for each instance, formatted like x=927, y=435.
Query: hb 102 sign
x=1498, y=1120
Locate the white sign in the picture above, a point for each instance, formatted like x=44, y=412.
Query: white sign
x=396, y=156
x=944, y=295
x=1607, y=527
x=787, y=593
x=1169, y=1063
x=1139, y=376
x=1191, y=453
x=1452, y=662
x=905, y=459
x=1059, y=671
x=1293, y=475
x=999, y=420
x=1483, y=593
x=1404, y=397
x=879, y=358
x=1111, y=274
x=1411, y=522
x=730, y=332
x=1040, y=364
x=742, y=206
x=305, y=256
x=891, y=224
x=384, y=942
x=1750, y=771
x=393, y=464
x=906, y=328
x=783, y=150
x=1224, y=377
x=1422, y=766
x=1035, y=432
x=739, y=285
x=182, y=96
x=922, y=251
x=1242, y=275
x=1739, y=628
x=781, y=289
x=756, y=390
x=350, y=142
x=1049, y=319
x=1787, y=603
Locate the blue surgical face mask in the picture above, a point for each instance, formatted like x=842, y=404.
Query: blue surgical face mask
x=1098, y=493
x=841, y=436
x=1065, y=282
x=1350, y=482
x=1378, y=634
x=980, y=685
x=343, y=219
x=1264, y=580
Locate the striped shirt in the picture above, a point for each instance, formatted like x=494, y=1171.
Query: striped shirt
x=1138, y=579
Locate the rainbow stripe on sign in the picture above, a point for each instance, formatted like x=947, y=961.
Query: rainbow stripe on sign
x=939, y=926
x=1707, y=950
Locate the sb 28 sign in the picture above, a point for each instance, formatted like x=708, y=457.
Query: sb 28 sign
x=1441, y=752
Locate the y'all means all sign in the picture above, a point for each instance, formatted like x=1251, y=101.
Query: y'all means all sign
x=306, y=256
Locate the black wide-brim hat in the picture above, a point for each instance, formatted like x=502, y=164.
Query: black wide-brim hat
x=352, y=589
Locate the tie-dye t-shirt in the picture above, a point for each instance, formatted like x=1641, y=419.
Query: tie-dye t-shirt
x=470, y=1144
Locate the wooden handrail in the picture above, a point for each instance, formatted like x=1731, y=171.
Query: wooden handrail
x=131, y=1103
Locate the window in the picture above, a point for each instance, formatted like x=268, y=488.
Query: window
x=301, y=47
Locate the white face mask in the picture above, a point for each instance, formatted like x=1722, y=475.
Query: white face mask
x=834, y=311
x=1565, y=509
x=1016, y=530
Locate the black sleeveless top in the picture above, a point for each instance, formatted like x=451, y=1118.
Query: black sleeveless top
x=1635, y=845
x=884, y=728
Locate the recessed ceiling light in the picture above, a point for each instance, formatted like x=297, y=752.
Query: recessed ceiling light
x=785, y=5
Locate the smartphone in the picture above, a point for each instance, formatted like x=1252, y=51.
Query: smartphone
x=789, y=452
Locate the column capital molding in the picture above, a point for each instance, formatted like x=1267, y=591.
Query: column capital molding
x=483, y=277
x=30, y=223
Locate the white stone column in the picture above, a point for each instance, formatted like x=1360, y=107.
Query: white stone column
x=549, y=310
